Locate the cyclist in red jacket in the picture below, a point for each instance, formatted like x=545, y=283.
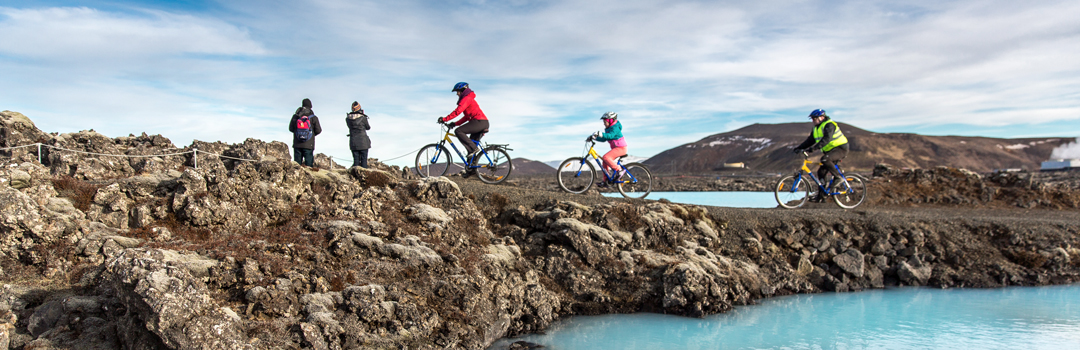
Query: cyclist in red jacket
x=472, y=125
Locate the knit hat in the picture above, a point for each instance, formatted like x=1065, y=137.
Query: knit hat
x=306, y=103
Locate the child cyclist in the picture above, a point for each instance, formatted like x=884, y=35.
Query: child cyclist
x=614, y=137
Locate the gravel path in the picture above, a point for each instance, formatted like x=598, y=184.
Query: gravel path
x=530, y=197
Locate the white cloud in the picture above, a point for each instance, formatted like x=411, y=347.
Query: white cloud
x=78, y=34
x=676, y=71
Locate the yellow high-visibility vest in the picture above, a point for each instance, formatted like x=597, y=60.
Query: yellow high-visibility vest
x=838, y=137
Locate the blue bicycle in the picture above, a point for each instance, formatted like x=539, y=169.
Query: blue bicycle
x=492, y=164
x=792, y=191
x=576, y=175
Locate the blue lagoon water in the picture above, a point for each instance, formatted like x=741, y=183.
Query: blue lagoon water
x=735, y=199
x=899, y=318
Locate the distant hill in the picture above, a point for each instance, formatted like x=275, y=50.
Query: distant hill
x=629, y=159
x=524, y=166
x=767, y=147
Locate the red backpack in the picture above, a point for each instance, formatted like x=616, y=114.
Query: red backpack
x=303, y=129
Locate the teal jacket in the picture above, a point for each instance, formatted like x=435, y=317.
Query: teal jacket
x=613, y=135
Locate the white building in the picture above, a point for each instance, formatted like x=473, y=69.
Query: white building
x=1061, y=164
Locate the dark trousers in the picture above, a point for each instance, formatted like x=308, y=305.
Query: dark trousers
x=476, y=129
x=828, y=163
x=359, y=158
x=304, y=156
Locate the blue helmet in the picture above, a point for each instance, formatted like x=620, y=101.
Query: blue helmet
x=460, y=86
x=818, y=113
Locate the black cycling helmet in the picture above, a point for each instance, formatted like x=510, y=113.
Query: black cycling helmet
x=460, y=86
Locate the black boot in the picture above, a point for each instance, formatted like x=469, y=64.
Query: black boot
x=473, y=157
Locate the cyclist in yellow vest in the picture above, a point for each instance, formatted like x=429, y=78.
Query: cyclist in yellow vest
x=827, y=137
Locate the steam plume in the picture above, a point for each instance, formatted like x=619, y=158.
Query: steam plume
x=1067, y=151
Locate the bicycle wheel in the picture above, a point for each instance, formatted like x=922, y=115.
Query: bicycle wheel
x=791, y=195
x=853, y=194
x=494, y=168
x=575, y=175
x=637, y=183
x=433, y=160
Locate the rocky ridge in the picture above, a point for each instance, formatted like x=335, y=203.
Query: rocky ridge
x=100, y=253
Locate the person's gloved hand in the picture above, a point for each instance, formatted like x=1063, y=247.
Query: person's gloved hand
x=596, y=135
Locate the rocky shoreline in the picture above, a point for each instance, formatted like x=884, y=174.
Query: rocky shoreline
x=1043, y=181
x=663, y=183
x=107, y=253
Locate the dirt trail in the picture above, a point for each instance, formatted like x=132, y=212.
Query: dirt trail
x=531, y=197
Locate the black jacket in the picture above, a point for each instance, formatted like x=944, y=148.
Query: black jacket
x=316, y=129
x=358, y=127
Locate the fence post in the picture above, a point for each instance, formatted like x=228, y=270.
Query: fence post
x=39, y=152
x=195, y=158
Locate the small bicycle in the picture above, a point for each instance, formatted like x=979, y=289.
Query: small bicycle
x=492, y=163
x=792, y=191
x=576, y=175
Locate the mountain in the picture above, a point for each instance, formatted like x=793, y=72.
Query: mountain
x=767, y=147
x=524, y=166
x=630, y=158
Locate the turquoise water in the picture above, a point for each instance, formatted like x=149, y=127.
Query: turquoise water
x=899, y=318
x=735, y=199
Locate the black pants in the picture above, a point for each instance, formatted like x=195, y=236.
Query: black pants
x=475, y=129
x=359, y=157
x=828, y=163
x=304, y=156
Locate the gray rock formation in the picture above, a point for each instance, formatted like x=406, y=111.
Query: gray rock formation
x=267, y=254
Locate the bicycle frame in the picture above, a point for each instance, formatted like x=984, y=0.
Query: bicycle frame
x=599, y=162
x=805, y=170
x=469, y=165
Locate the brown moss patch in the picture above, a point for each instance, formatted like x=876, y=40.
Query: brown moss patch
x=80, y=192
x=628, y=217
x=1027, y=259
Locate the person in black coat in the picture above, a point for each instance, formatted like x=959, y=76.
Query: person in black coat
x=359, y=142
x=304, y=150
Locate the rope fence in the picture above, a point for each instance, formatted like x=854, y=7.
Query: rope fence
x=194, y=152
x=380, y=160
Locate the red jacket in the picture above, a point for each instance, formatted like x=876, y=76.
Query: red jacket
x=466, y=104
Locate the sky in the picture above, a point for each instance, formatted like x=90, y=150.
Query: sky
x=543, y=71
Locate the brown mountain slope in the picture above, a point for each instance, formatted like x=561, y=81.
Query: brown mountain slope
x=767, y=147
x=524, y=166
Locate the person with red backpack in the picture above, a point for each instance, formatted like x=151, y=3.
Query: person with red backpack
x=472, y=125
x=305, y=126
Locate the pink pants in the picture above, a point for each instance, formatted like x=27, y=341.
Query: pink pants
x=609, y=158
